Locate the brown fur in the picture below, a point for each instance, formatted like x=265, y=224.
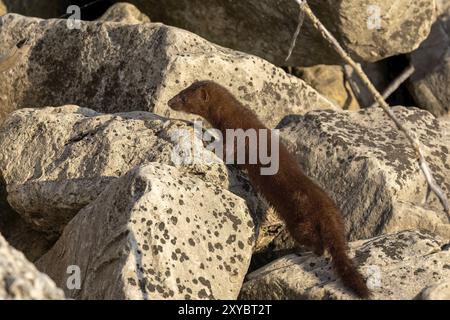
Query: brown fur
x=311, y=216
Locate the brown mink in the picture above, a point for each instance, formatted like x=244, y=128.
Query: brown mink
x=311, y=217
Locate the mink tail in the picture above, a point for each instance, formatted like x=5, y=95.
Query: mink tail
x=347, y=271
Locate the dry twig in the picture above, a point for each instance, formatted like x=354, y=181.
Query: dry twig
x=396, y=83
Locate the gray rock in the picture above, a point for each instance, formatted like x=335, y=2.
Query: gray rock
x=118, y=67
x=163, y=234
x=19, y=278
x=429, y=85
x=369, y=168
x=396, y=266
x=265, y=28
x=55, y=161
x=125, y=13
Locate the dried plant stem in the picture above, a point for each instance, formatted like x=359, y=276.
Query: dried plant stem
x=396, y=83
x=381, y=102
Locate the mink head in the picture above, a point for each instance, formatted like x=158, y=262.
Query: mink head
x=194, y=99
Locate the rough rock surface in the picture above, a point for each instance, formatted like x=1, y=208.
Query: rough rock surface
x=330, y=81
x=164, y=234
x=265, y=27
x=396, y=266
x=429, y=84
x=57, y=160
x=114, y=67
x=19, y=278
x=124, y=12
x=369, y=168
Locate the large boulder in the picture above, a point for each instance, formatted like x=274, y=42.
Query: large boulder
x=118, y=67
x=429, y=84
x=19, y=278
x=396, y=266
x=369, y=168
x=164, y=234
x=265, y=27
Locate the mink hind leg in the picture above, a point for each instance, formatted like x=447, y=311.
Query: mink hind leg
x=308, y=235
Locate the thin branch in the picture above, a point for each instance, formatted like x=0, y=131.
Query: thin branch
x=301, y=18
x=382, y=103
x=408, y=72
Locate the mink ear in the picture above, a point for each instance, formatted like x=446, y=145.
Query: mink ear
x=204, y=95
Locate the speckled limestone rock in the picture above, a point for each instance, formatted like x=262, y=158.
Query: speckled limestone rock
x=124, y=12
x=369, y=168
x=439, y=291
x=164, y=234
x=57, y=160
x=331, y=82
x=19, y=278
x=115, y=67
x=429, y=84
x=370, y=29
x=396, y=266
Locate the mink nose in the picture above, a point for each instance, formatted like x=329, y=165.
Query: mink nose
x=173, y=102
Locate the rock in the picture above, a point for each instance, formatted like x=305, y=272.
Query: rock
x=369, y=168
x=431, y=60
x=440, y=291
x=41, y=9
x=265, y=28
x=331, y=82
x=117, y=67
x=164, y=234
x=442, y=6
x=396, y=266
x=125, y=13
x=55, y=161
x=19, y=278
